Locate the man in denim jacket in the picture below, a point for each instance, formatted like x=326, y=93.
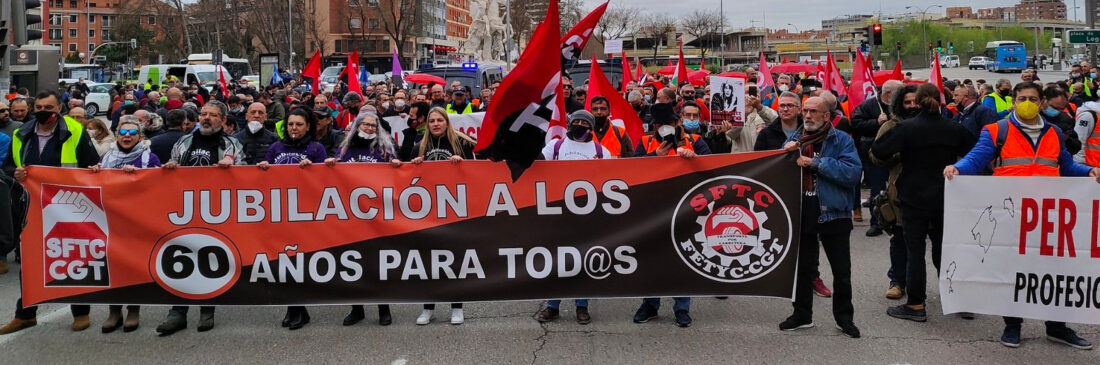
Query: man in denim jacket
x=830, y=177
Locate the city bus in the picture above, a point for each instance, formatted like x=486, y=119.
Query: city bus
x=1008, y=56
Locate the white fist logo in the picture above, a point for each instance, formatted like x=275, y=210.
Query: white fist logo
x=72, y=207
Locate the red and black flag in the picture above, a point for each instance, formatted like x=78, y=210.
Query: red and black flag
x=530, y=106
x=573, y=42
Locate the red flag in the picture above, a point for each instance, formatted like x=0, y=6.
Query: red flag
x=702, y=64
x=936, y=77
x=681, y=74
x=627, y=77
x=529, y=107
x=897, y=75
x=640, y=75
x=352, y=71
x=221, y=82
x=863, y=83
x=313, y=71
x=833, y=80
x=573, y=42
x=621, y=110
x=764, y=81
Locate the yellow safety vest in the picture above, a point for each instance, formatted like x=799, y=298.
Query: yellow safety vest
x=468, y=109
x=68, y=148
x=1002, y=104
x=279, y=128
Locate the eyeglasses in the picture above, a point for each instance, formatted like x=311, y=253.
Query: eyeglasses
x=787, y=106
x=128, y=132
x=372, y=125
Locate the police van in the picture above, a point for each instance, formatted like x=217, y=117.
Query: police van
x=470, y=74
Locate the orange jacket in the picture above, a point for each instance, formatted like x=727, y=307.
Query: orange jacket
x=1018, y=158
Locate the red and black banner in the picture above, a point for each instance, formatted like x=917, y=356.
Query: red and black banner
x=436, y=232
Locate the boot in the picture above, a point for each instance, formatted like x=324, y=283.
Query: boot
x=300, y=318
x=172, y=324
x=288, y=317
x=206, y=319
x=17, y=324
x=384, y=317
x=133, y=318
x=355, y=316
x=4, y=267
x=114, y=320
x=81, y=323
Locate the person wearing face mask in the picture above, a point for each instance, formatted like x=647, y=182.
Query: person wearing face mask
x=1056, y=111
x=612, y=137
x=638, y=103
x=161, y=145
x=925, y=144
x=256, y=139
x=904, y=107
x=866, y=119
x=237, y=112
x=830, y=175
x=48, y=140
x=7, y=124
x=418, y=124
x=1087, y=130
x=1028, y=146
x=458, y=104
x=1001, y=99
x=668, y=137
x=330, y=138
x=715, y=139
x=399, y=108
x=972, y=114
x=349, y=109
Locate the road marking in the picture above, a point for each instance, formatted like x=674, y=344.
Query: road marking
x=42, y=320
x=401, y=361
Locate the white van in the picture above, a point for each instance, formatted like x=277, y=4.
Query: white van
x=949, y=61
x=201, y=74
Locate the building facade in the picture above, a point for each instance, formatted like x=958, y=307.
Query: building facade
x=1041, y=10
x=79, y=26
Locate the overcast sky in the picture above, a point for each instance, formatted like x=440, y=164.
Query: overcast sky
x=807, y=14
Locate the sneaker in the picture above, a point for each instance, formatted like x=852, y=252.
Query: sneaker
x=895, y=292
x=549, y=314
x=426, y=317
x=172, y=324
x=905, y=312
x=848, y=329
x=874, y=231
x=683, y=320
x=966, y=315
x=794, y=324
x=206, y=321
x=352, y=318
x=457, y=317
x=1011, y=337
x=1069, y=338
x=645, y=314
x=582, y=315
x=820, y=289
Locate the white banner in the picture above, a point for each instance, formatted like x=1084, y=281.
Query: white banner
x=613, y=46
x=1022, y=247
x=465, y=123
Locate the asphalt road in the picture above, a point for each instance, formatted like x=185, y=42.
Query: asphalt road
x=738, y=330
x=963, y=73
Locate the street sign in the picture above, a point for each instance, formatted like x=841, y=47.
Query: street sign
x=1087, y=36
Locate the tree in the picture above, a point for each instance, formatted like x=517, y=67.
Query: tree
x=267, y=22
x=522, y=23
x=132, y=22
x=73, y=57
x=400, y=18
x=313, y=26
x=660, y=27
x=703, y=25
x=571, y=13
x=617, y=22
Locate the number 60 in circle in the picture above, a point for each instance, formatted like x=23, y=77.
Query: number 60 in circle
x=195, y=263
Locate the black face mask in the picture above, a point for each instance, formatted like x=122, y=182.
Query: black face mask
x=910, y=112
x=577, y=132
x=601, y=120
x=353, y=109
x=1005, y=92
x=44, y=116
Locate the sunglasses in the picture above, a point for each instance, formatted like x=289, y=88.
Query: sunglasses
x=4, y=110
x=128, y=132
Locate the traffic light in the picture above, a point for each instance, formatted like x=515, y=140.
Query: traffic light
x=950, y=46
x=21, y=21
x=929, y=46
x=5, y=35
x=939, y=45
x=876, y=34
x=898, y=45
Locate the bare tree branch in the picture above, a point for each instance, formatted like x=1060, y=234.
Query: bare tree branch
x=704, y=26
x=617, y=22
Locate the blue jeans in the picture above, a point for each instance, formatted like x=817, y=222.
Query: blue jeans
x=580, y=303
x=679, y=303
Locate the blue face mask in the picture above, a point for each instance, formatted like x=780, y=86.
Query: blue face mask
x=128, y=102
x=1092, y=75
x=691, y=124
x=1050, y=112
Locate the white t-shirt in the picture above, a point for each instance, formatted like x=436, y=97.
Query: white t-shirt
x=573, y=150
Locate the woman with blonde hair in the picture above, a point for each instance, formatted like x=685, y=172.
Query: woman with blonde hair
x=102, y=138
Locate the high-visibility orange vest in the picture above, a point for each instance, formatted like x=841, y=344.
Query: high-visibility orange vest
x=1092, y=147
x=651, y=144
x=611, y=140
x=1019, y=159
x=1070, y=109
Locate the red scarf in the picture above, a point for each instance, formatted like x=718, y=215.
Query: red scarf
x=808, y=140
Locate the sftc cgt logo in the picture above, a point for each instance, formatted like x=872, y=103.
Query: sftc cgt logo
x=74, y=228
x=732, y=229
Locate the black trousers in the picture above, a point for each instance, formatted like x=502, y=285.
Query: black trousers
x=182, y=309
x=918, y=225
x=1016, y=322
x=838, y=252
x=32, y=311
x=453, y=306
x=899, y=260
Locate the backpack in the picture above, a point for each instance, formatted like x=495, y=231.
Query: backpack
x=557, y=148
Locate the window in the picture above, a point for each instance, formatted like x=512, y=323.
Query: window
x=72, y=47
x=91, y=19
x=55, y=19
x=56, y=34
x=152, y=20
x=91, y=47
x=355, y=23
x=108, y=20
x=72, y=18
x=372, y=23
x=106, y=34
x=72, y=4
x=91, y=33
x=72, y=33
x=354, y=3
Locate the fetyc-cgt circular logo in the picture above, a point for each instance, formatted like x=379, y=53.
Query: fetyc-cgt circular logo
x=732, y=229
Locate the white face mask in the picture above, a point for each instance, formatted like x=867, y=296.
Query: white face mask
x=365, y=135
x=254, y=126
x=386, y=105
x=91, y=133
x=784, y=87
x=666, y=130
x=400, y=103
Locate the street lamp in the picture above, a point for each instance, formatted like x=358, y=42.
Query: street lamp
x=924, y=29
x=795, y=28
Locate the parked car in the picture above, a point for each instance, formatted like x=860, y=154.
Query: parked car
x=978, y=62
x=949, y=61
x=98, y=99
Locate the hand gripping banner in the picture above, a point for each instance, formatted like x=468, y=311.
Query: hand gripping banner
x=437, y=232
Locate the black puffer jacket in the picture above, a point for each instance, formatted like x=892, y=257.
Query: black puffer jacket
x=772, y=137
x=256, y=144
